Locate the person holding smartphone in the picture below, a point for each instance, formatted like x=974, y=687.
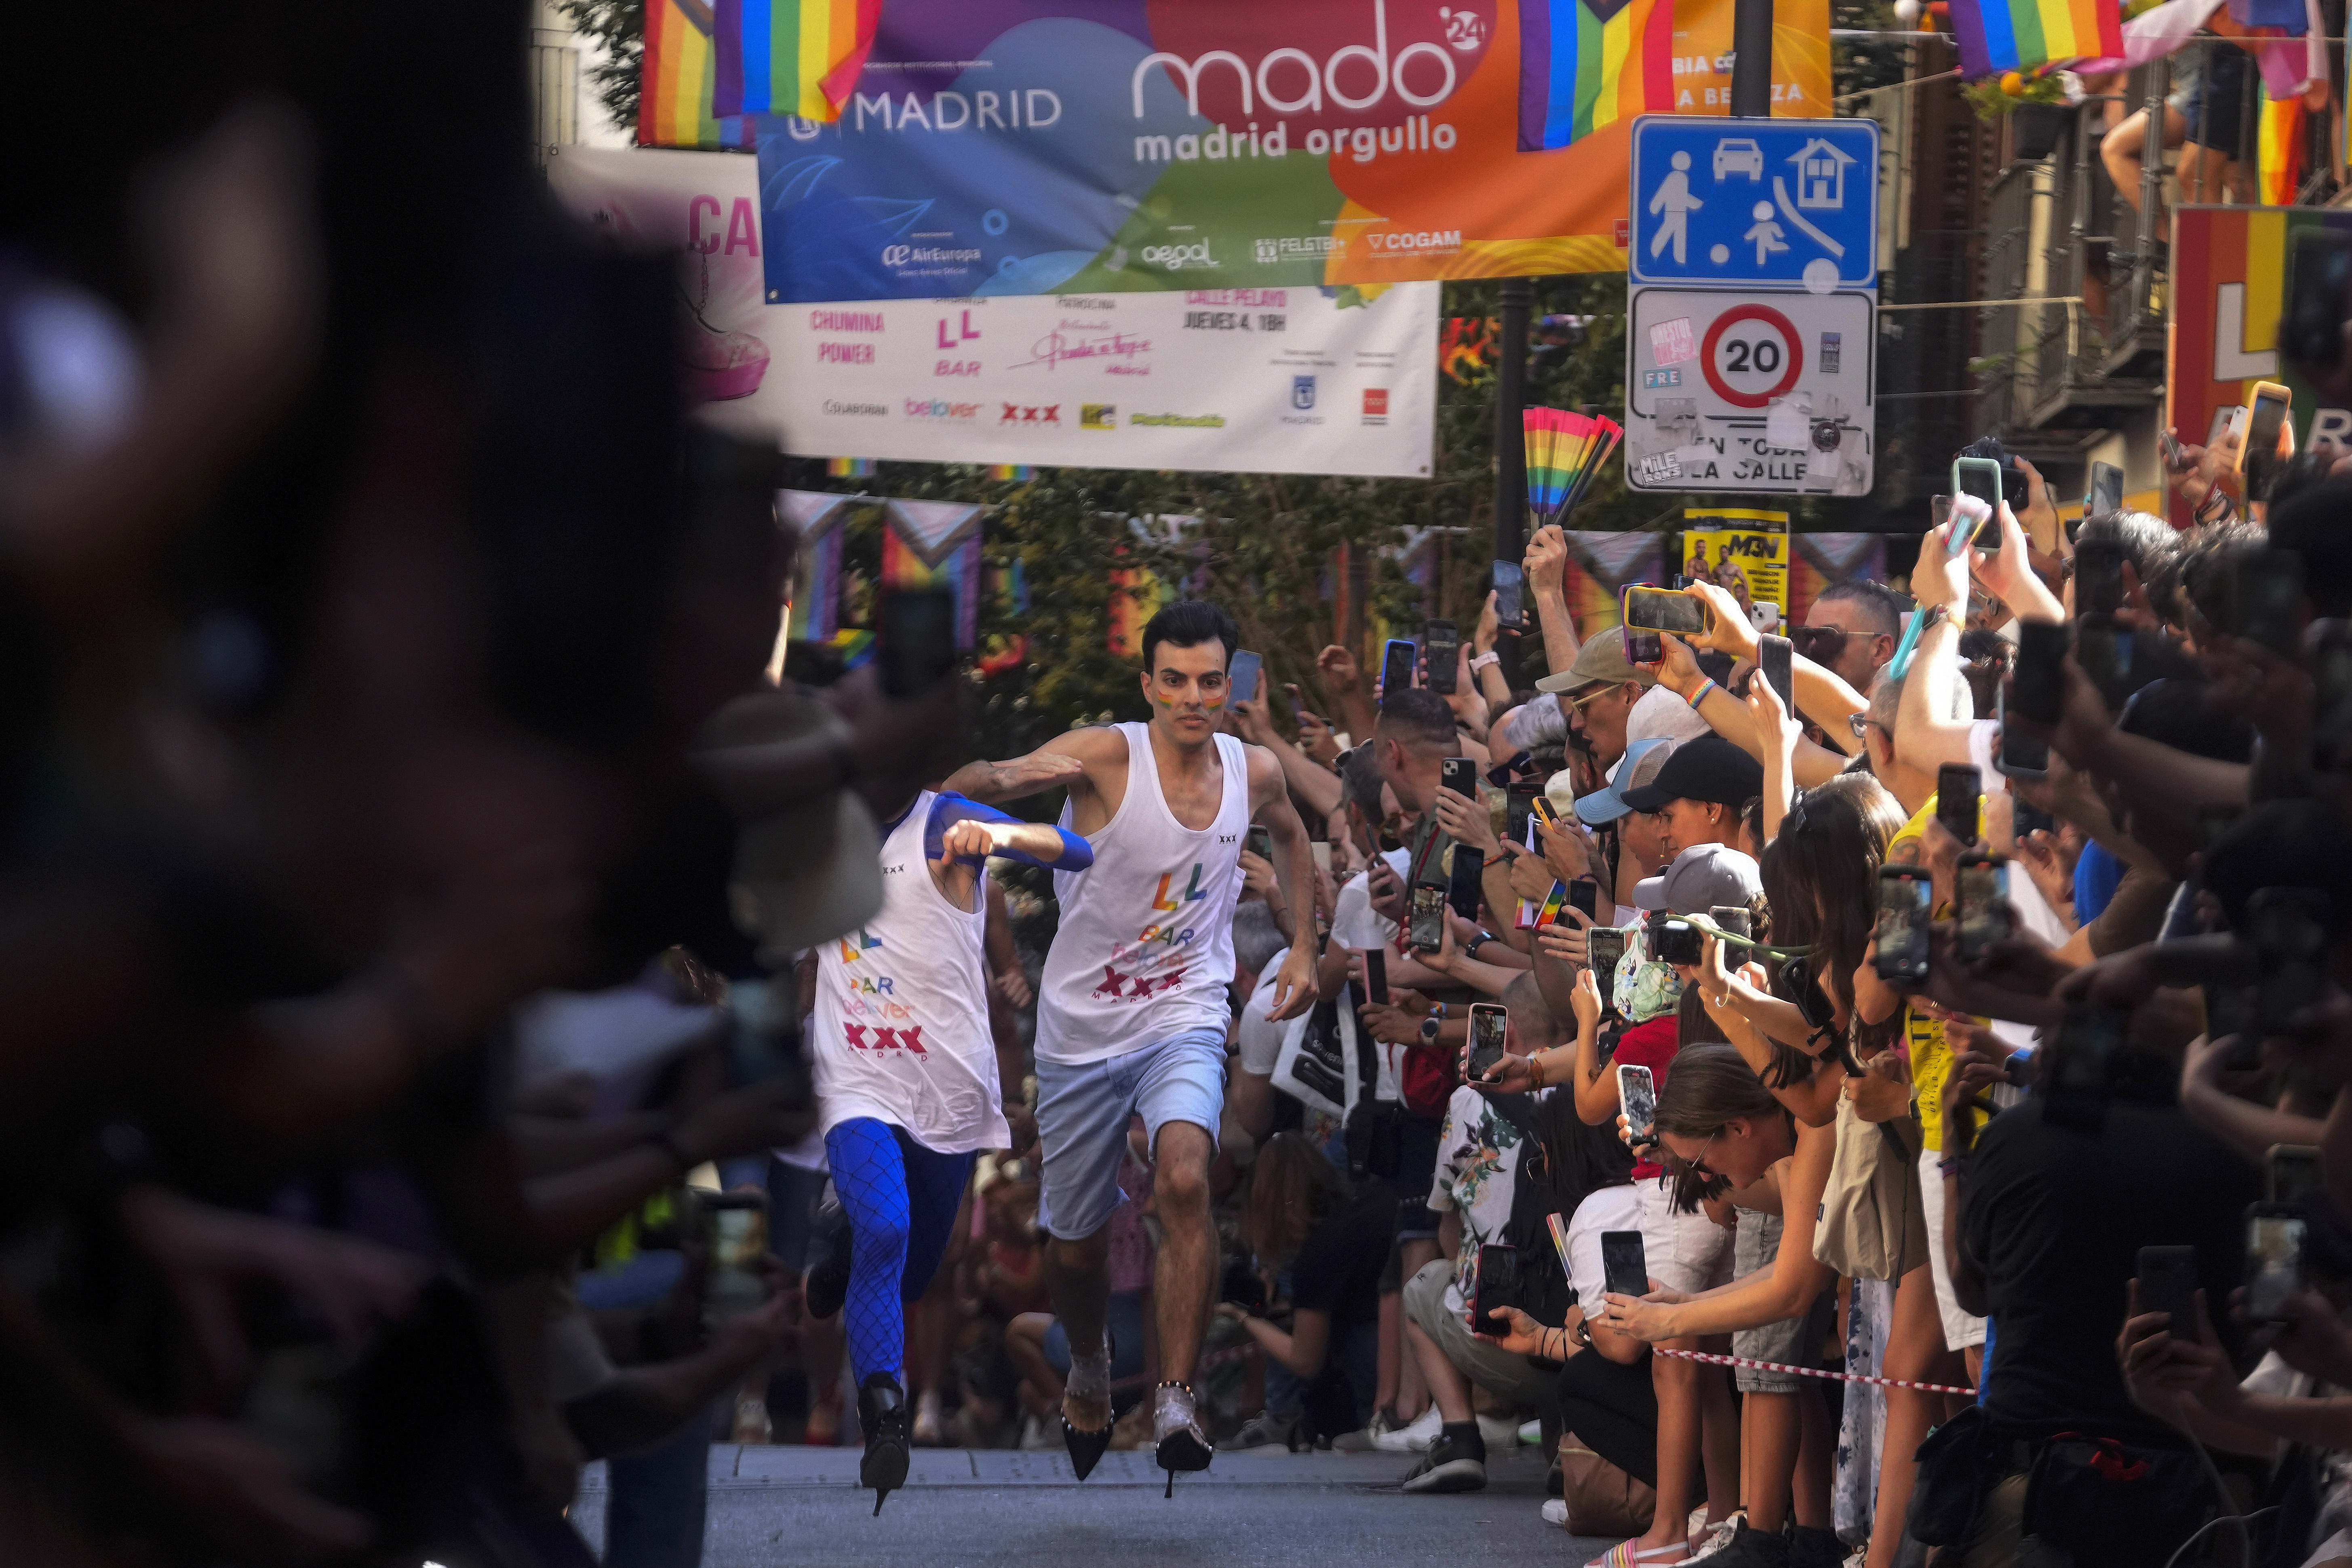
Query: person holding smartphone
x=1133, y=1014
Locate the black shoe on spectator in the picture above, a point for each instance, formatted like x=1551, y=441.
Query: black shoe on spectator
x=1451, y=1465
x=1753, y=1549
x=826, y=1286
x=1811, y=1547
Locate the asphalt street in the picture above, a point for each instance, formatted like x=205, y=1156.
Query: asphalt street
x=775, y=1506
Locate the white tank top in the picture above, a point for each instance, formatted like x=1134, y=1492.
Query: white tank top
x=900, y=1030
x=1145, y=949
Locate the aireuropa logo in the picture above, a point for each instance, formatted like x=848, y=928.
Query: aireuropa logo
x=940, y=408
x=1097, y=417
x=1376, y=405
x=1179, y=258
x=898, y=254
x=1302, y=392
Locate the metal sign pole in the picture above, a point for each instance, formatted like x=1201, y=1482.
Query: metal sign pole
x=1751, y=60
x=1510, y=449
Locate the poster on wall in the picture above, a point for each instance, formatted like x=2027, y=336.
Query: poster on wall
x=1297, y=380
x=999, y=147
x=1743, y=552
x=1819, y=562
x=2229, y=277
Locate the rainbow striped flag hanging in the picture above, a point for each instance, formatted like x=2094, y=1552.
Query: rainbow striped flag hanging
x=674, y=96
x=2279, y=140
x=792, y=57
x=1584, y=64
x=1996, y=36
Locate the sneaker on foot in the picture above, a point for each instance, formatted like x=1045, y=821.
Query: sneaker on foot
x=1263, y=1430
x=1363, y=1441
x=1531, y=1432
x=1554, y=1512
x=1447, y=1467
x=1745, y=1547
x=1413, y=1437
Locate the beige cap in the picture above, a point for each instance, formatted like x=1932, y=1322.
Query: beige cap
x=1599, y=662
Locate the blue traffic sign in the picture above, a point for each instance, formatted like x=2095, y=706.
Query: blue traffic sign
x=1744, y=203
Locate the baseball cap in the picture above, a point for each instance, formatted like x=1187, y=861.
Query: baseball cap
x=1639, y=766
x=1599, y=662
x=1662, y=712
x=1710, y=768
x=1702, y=877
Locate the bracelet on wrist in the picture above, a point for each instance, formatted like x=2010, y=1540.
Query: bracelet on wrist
x=1699, y=696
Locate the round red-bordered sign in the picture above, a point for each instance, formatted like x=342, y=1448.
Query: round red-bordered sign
x=1771, y=317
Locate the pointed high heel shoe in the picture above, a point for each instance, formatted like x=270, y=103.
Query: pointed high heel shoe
x=1087, y=1448
x=1179, y=1444
x=882, y=1412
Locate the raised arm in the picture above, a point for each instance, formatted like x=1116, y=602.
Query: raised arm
x=1546, y=566
x=1293, y=870
x=1071, y=761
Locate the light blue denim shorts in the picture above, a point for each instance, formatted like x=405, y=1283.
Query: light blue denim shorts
x=1083, y=1111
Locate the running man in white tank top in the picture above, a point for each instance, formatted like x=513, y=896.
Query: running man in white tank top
x=1133, y=1011
x=907, y=1087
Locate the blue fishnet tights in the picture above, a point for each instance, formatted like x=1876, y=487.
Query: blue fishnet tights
x=901, y=1200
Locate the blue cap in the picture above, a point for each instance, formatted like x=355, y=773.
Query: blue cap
x=1638, y=766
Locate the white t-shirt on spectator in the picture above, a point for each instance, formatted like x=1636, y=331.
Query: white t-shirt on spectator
x=1258, y=1039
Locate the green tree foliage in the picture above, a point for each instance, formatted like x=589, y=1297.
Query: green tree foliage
x=619, y=26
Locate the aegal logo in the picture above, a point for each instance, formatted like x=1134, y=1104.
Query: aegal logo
x=1176, y=258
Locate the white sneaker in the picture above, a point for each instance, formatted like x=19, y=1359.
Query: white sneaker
x=1707, y=1540
x=1500, y=1432
x=1554, y=1512
x=1413, y=1438
x=1532, y=1433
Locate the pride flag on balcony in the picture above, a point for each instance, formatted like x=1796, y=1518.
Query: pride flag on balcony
x=673, y=95
x=1584, y=64
x=792, y=57
x=1996, y=36
x=2279, y=139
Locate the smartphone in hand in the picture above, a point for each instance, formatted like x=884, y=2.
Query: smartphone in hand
x=1497, y=1286
x=1376, y=975
x=1243, y=675
x=1490, y=1026
x=1624, y=1267
x=1773, y=658
x=1983, y=905
x=1443, y=641
x=1959, y=801
x=2274, y=1241
x=2168, y=1284
x=1261, y=841
x=1510, y=596
x=1425, y=919
x=1397, y=662
x=2038, y=679
x=1460, y=774
x=1905, y=894
x=1637, y=1095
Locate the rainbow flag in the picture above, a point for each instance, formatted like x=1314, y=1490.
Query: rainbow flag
x=792, y=57
x=1996, y=36
x=1018, y=473
x=848, y=468
x=1584, y=64
x=2279, y=140
x=674, y=96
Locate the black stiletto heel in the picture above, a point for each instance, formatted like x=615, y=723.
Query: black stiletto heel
x=1184, y=1448
x=882, y=1412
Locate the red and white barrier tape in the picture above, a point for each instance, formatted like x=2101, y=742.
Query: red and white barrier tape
x=1814, y=1371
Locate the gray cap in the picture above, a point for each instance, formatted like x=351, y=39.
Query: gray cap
x=1702, y=877
x=1599, y=662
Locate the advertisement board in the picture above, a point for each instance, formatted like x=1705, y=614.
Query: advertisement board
x=1095, y=146
x=1262, y=380
x=1743, y=552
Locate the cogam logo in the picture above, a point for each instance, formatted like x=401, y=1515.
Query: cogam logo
x=1097, y=417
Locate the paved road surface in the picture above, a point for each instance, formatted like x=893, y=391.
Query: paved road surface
x=776, y=1506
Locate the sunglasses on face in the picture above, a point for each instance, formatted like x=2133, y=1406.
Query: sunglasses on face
x=1823, y=645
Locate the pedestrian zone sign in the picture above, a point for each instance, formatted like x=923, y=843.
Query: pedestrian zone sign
x=1745, y=204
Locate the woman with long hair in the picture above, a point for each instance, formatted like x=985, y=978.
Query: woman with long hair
x=1725, y=1129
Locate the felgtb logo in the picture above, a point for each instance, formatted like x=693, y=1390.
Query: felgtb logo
x=1021, y=414
x=1097, y=417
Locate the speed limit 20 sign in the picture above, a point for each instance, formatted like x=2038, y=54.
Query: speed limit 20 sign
x=1749, y=393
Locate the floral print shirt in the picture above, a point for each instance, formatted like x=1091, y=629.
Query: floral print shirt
x=1478, y=1166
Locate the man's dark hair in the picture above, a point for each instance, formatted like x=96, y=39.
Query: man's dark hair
x=1986, y=447
x=2204, y=575
x=1189, y=623
x=2312, y=523
x=1882, y=605
x=2148, y=543
x=2299, y=843
x=2286, y=480
x=1359, y=775
x=1417, y=717
x=2188, y=715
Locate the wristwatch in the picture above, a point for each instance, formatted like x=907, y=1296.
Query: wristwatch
x=1476, y=943
x=1485, y=661
x=1429, y=1031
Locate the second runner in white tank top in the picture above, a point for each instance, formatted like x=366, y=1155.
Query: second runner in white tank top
x=1145, y=947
